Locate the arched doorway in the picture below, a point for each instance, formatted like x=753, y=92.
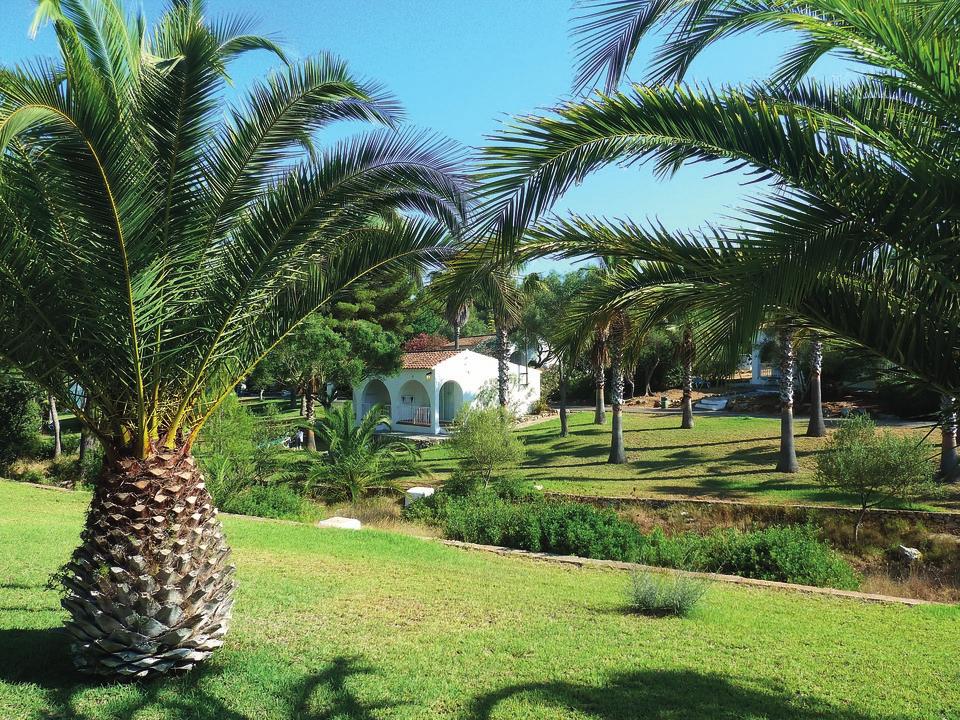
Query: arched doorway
x=415, y=408
x=375, y=393
x=451, y=400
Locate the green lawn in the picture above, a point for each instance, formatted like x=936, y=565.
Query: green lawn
x=724, y=456
x=332, y=624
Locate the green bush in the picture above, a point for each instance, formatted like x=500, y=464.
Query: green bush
x=787, y=554
x=875, y=467
x=271, y=501
x=791, y=554
x=651, y=594
x=19, y=417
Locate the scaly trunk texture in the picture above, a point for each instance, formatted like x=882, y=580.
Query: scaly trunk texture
x=503, y=376
x=150, y=589
x=686, y=423
x=787, y=461
x=948, y=438
x=600, y=412
x=309, y=415
x=564, y=430
x=303, y=403
x=293, y=396
x=816, y=428
x=55, y=421
x=618, y=455
x=456, y=336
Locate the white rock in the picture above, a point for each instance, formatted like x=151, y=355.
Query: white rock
x=910, y=554
x=344, y=523
x=538, y=487
x=416, y=493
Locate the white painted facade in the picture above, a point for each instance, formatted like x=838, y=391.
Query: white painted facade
x=425, y=401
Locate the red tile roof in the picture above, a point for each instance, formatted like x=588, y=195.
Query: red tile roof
x=427, y=359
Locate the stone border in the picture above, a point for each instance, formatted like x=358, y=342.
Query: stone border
x=580, y=562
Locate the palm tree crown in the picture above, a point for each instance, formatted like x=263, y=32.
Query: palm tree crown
x=154, y=247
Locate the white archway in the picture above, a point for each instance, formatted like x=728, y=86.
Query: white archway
x=415, y=407
x=451, y=400
x=375, y=393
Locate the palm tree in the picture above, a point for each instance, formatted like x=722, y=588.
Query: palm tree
x=854, y=241
x=787, y=461
x=688, y=352
x=599, y=354
x=457, y=315
x=354, y=463
x=816, y=426
x=948, y=438
x=180, y=241
x=618, y=339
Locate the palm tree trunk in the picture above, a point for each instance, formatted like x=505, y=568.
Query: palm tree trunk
x=564, y=430
x=686, y=423
x=600, y=412
x=456, y=336
x=55, y=422
x=503, y=375
x=310, y=413
x=150, y=588
x=618, y=455
x=87, y=443
x=628, y=383
x=816, y=427
x=293, y=396
x=787, y=461
x=948, y=438
x=303, y=402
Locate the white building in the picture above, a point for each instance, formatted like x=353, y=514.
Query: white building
x=427, y=393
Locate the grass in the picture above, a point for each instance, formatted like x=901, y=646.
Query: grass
x=729, y=457
x=333, y=624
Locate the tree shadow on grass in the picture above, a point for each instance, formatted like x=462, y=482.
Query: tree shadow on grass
x=661, y=695
x=42, y=658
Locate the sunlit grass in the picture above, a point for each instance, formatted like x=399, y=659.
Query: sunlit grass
x=333, y=624
x=724, y=457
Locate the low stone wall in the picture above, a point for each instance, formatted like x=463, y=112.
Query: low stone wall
x=936, y=522
x=577, y=561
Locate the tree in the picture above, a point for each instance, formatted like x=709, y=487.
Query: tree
x=485, y=446
x=852, y=241
x=619, y=331
x=354, y=462
x=599, y=354
x=180, y=239
x=457, y=315
x=816, y=426
x=874, y=467
x=787, y=461
x=948, y=438
x=19, y=416
x=688, y=352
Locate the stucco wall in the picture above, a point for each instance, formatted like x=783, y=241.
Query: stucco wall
x=471, y=371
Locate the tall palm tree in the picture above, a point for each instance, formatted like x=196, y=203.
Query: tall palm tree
x=688, y=351
x=618, y=339
x=457, y=315
x=787, y=460
x=816, y=426
x=599, y=354
x=180, y=241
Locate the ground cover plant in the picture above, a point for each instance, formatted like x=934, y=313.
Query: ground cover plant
x=332, y=624
x=725, y=457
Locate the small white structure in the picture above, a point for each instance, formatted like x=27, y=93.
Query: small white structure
x=425, y=396
x=341, y=523
x=416, y=493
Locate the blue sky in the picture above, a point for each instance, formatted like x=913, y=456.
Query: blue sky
x=461, y=67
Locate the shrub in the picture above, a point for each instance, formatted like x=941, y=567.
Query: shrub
x=791, y=554
x=272, y=501
x=355, y=462
x=787, y=554
x=19, y=417
x=650, y=594
x=875, y=467
x=486, y=446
